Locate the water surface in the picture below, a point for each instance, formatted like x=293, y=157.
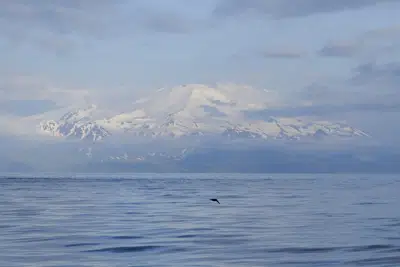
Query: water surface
x=168, y=220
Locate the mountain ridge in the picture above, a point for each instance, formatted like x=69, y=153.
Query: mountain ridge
x=194, y=111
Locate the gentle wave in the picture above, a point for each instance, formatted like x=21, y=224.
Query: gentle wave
x=124, y=249
x=139, y=221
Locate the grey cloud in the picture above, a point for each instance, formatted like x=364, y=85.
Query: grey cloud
x=166, y=23
x=325, y=110
x=283, y=54
x=371, y=87
x=59, y=24
x=369, y=44
x=26, y=107
x=172, y=17
x=339, y=50
x=270, y=53
x=54, y=25
x=290, y=8
x=389, y=33
x=61, y=17
x=19, y=88
x=169, y=25
x=383, y=77
x=13, y=86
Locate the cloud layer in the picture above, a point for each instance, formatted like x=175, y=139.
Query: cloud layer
x=327, y=58
x=370, y=44
x=289, y=8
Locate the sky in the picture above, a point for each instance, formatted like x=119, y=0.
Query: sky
x=338, y=59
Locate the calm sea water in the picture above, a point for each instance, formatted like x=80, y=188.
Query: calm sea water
x=168, y=220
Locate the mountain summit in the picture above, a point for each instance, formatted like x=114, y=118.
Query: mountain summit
x=196, y=110
x=77, y=124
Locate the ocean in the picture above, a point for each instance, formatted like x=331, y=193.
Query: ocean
x=168, y=220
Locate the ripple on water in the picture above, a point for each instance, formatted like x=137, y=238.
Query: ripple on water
x=126, y=249
x=302, y=250
x=187, y=236
x=372, y=248
x=126, y=237
x=376, y=261
x=284, y=221
x=369, y=203
x=81, y=245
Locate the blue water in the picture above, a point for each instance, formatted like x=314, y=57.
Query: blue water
x=168, y=220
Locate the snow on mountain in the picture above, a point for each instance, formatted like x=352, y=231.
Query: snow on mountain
x=196, y=110
x=77, y=124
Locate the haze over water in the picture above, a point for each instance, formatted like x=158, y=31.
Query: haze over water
x=168, y=220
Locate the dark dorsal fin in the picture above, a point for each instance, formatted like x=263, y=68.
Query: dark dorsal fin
x=214, y=199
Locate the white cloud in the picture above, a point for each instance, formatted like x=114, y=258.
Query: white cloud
x=26, y=87
x=276, y=54
x=30, y=89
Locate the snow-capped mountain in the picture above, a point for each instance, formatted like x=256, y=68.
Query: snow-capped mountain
x=196, y=110
x=77, y=124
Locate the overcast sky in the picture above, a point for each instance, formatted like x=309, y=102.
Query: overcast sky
x=342, y=56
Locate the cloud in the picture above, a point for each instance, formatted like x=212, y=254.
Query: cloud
x=288, y=8
x=62, y=25
x=368, y=98
x=381, y=80
x=55, y=25
x=167, y=24
x=325, y=111
x=283, y=54
x=173, y=17
x=269, y=53
x=58, y=16
x=369, y=44
x=33, y=88
x=25, y=100
x=339, y=50
x=369, y=87
x=24, y=108
x=29, y=95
